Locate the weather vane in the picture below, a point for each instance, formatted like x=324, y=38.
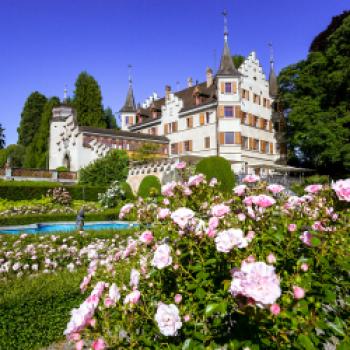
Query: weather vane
x=129, y=70
x=272, y=60
x=225, y=13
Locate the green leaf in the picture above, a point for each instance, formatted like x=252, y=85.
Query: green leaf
x=211, y=308
x=315, y=241
x=337, y=326
x=305, y=342
x=200, y=293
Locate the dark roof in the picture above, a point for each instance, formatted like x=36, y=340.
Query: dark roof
x=208, y=95
x=129, y=105
x=122, y=133
x=227, y=67
x=273, y=85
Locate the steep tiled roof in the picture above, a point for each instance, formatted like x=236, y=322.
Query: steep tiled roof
x=129, y=105
x=227, y=66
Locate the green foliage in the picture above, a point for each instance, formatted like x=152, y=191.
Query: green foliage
x=149, y=187
x=127, y=190
x=107, y=215
x=315, y=94
x=30, y=118
x=35, y=311
x=2, y=137
x=15, y=153
x=219, y=168
x=103, y=171
x=112, y=196
x=238, y=60
x=146, y=152
x=37, y=151
x=27, y=190
x=62, y=168
x=109, y=118
x=88, y=101
x=298, y=188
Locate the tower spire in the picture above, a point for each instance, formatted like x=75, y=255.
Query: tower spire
x=129, y=105
x=272, y=59
x=273, y=85
x=224, y=13
x=65, y=93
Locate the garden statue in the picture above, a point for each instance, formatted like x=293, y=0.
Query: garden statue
x=80, y=219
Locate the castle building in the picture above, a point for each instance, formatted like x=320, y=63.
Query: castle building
x=234, y=113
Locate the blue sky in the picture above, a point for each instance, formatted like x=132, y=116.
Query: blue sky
x=45, y=44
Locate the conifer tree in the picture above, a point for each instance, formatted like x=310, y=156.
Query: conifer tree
x=88, y=101
x=110, y=120
x=30, y=118
x=2, y=137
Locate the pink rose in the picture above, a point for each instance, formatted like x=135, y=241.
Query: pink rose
x=213, y=222
x=342, y=189
x=79, y=345
x=180, y=165
x=251, y=179
x=241, y=217
x=187, y=318
x=132, y=298
x=274, y=188
x=263, y=201
x=313, y=188
x=220, y=210
x=178, y=298
x=306, y=238
x=182, y=216
x=271, y=258
x=162, y=257
x=298, y=292
x=304, y=267
x=146, y=237
x=163, y=213
x=292, y=227
x=195, y=180
x=168, y=189
x=213, y=182
x=239, y=190
x=250, y=236
x=98, y=344
x=275, y=309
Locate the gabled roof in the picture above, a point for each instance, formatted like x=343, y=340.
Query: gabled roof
x=129, y=105
x=227, y=67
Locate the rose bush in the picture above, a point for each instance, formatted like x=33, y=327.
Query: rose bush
x=255, y=269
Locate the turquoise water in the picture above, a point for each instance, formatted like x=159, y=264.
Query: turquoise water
x=47, y=228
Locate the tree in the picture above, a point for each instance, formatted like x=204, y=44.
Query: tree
x=103, y=171
x=315, y=94
x=109, y=118
x=30, y=118
x=238, y=60
x=37, y=151
x=88, y=101
x=15, y=153
x=2, y=137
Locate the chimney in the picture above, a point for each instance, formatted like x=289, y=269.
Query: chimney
x=189, y=82
x=209, y=77
x=167, y=91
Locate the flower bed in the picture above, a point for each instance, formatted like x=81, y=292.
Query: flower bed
x=255, y=270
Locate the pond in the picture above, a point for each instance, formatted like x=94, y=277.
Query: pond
x=66, y=227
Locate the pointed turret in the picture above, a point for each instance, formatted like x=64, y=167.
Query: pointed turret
x=227, y=66
x=129, y=105
x=273, y=85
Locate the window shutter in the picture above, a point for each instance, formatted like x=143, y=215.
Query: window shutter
x=238, y=138
x=191, y=122
x=234, y=87
x=131, y=120
x=190, y=145
x=166, y=130
x=222, y=138
x=201, y=119
x=238, y=112
x=270, y=125
x=174, y=126
x=250, y=143
x=271, y=148
x=222, y=88
x=221, y=111
x=250, y=119
x=268, y=103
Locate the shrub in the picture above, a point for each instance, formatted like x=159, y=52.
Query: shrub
x=28, y=190
x=258, y=271
x=149, y=187
x=59, y=195
x=219, y=168
x=62, y=168
x=103, y=171
x=112, y=196
x=127, y=190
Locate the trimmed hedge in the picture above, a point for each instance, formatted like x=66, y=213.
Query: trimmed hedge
x=127, y=190
x=34, y=311
x=219, y=168
x=107, y=215
x=15, y=190
x=149, y=186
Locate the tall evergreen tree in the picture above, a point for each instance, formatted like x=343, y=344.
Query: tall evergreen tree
x=2, y=137
x=37, y=152
x=110, y=120
x=88, y=101
x=30, y=118
x=316, y=97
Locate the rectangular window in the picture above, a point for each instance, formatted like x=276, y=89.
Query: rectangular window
x=188, y=146
x=207, y=142
x=228, y=88
x=245, y=142
x=207, y=117
x=174, y=148
x=189, y=122
x=228, y=112
x=264, y=102
x=229, y=138
x=256, y=145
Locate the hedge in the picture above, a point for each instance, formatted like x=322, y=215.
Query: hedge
x=127, y=190
x=149, y=184
x=107, y=215
x=219, y=168
x=34, y=311
x=15, y=190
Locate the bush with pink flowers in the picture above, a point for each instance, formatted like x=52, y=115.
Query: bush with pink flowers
x=254, y=269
